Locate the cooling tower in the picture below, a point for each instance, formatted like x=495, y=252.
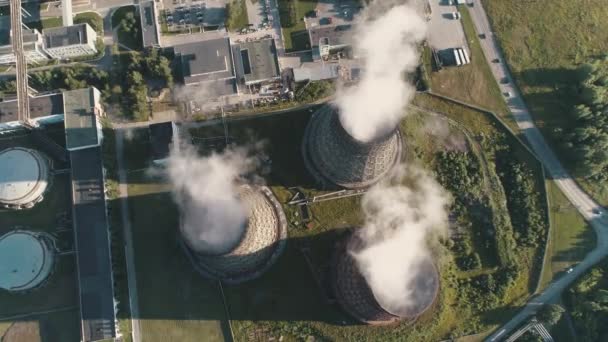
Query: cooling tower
x=333, y=156
x=24, y=177
x=26, y=260
x=261, y=243
x=356, y=297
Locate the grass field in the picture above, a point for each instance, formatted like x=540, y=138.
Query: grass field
x=296, y=37
x=91, y=18
x=45, y=23
x=60, y=291
x=237, y=18
x=571, y=238
x=544, y=43
x=472, y=83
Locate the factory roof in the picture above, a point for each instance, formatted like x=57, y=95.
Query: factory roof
x=316, y=72
x=257, y=61
x=92, y=245
x=40, y=106
x=24, y=261
x=66, y=35
x=80, y=118
x=336, y=35
x=206, y=60
x=149, y=30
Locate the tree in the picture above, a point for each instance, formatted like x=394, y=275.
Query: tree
x=550, y=314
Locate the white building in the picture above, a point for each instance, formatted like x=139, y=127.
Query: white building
x=70, y=41
x=33, y=45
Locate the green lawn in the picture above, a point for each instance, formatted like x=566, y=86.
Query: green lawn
x=91, y=18
x=45, y=23
x=296, y=37
x=571, y=237
x=237, y=15
x=472, y=83
x=131, y=38
x=544, y=42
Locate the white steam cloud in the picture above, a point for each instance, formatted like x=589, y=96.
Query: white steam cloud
x=400, y=224
x=386, y=40
x=206, y=191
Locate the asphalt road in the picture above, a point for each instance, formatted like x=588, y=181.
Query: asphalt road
x=564, y=181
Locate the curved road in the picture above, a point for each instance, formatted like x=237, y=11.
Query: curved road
x=585, y=205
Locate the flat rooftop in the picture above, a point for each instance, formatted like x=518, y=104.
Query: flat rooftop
x=66, y=35
x=147, y=13
x=206, y=60
x=257, y=60
x=40, y=106
x=92, y=246
x=80, y=118
x=336, y=35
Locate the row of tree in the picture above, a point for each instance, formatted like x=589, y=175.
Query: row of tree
x=289, y=12
x=587, y=138
x=588, y=304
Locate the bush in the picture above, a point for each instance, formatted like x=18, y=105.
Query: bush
x=288, y=12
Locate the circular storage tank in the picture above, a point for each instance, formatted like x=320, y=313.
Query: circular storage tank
x=26, y=260
x=356, y=297
x=260, y=245
x=334, y=157
x=24, y=177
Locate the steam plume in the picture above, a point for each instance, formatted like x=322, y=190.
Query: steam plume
x=386, y=40
x=400, y=222
x=205, y=189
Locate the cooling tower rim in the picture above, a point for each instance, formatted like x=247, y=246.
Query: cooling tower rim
x=279, y=246
x=326, y=181
x=342, y=254
x=380, y=138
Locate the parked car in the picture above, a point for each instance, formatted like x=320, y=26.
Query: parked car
x=482, y=36
x=496, y=60
x=507, y=94
x=504, y=80
x=455, y=15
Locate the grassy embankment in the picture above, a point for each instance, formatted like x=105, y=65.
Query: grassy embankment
x=544, y=44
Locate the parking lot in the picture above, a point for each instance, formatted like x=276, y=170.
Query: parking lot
x=188, y=14
x=444, y=31
x=333, y=12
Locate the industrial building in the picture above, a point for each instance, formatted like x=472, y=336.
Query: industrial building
x=149, y=27
x=24, y=177
x=210, y=64
x=356, y=297
x=44, y=109
x=33, y=48
x=257, y=62
x=335, y=158
x=26, y=260
x=260, y=245
x=326, y=39
x=82, y=112
x=70, y=41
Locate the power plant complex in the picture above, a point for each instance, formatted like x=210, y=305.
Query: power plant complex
x=260, y=243
x=334, y=158
x=357, y=298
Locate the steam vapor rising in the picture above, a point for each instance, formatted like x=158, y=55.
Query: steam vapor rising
x=386, y=40
x=400, y=222
x=206, y=191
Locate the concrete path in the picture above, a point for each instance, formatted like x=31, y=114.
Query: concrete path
x=585, y=204
x=126, y=224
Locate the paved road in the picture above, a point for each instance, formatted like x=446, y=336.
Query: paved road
x=126, y=224
x=564, y=181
